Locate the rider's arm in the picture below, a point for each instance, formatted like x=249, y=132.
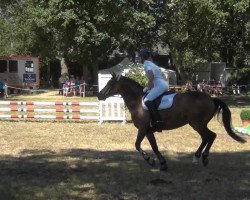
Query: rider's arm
x=150, y=79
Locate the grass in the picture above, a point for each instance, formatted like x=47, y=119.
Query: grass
x=50, y=95
x=84, y=160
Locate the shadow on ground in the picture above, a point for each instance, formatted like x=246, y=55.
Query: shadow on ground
x=92, y=174
x=236, y=100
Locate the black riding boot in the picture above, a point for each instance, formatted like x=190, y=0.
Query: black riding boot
x=156, y=122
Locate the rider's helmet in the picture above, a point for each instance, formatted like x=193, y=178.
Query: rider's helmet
x=145, y=54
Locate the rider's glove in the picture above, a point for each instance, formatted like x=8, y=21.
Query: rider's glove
x=145, y=89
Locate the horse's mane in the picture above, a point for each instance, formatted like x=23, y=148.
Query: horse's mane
x=135, y=86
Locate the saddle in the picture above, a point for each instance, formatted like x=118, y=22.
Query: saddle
x=163, y=101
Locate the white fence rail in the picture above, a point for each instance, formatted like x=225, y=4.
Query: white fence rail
x=113, y=109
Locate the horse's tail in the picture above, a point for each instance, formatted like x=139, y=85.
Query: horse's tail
x=226, y=119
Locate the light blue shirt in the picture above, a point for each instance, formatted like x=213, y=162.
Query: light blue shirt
x=160, y=83
x=148, y=65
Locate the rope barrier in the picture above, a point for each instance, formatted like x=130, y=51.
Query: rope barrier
x=41, y=90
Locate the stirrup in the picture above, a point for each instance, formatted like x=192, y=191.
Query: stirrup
x=156, y=125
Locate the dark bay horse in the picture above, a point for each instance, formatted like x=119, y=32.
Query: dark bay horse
x=193, y=108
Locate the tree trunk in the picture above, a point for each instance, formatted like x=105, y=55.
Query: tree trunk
x=95, y=73
x=64, y=66
x=85, y=73
x=48, y=75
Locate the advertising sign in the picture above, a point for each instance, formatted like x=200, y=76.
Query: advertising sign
x=29, y=78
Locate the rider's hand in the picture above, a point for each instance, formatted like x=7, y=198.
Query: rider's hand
x=145, y=89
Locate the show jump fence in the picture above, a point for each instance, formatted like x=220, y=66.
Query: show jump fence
x=109, y=110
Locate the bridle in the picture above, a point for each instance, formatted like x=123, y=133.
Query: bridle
x=116, y=78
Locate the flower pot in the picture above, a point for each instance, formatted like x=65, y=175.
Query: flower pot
x=245, y=117
x=245, y=122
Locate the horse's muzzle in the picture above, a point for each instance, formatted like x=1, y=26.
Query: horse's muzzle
x=100, y=96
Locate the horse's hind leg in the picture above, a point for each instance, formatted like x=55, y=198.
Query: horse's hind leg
x=207, y=137
x=162, y=160
x=210, y=138
x=201, y=129
x=198, y=153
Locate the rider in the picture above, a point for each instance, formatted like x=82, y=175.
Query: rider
x=157, y=85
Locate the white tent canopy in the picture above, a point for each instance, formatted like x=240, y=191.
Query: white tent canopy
x=123, y=67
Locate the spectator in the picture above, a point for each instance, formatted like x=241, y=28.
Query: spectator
x=5, y=88
x=63, y=78
x=189, y=86
x=77, y=85
x=82, y=87
x=2, y=88
x=200, y=86
x=218, y=89
x=66, y=86
x=236, y=89
x=72, y=81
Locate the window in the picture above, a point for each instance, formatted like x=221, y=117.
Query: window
x=29, y=66
x=3, y=66
x=13, y=66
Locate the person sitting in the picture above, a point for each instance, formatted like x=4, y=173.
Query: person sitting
x=66, y=86
x=72, y=85
x=82, y=87
x=157, y=85
x=77, y=85
x=189, y=86
x=218, y=89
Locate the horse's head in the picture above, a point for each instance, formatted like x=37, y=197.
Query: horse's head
x=112, y=88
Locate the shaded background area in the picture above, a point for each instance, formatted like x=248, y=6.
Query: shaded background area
x=236, y=101
x=93, y=174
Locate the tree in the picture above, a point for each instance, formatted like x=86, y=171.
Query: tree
x=17, y=34
x=199, y=31
x=89, y=31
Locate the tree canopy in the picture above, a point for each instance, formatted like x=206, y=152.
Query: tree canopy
x=89, y=31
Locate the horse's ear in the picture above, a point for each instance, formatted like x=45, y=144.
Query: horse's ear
x=118, y=76
x=113, y=74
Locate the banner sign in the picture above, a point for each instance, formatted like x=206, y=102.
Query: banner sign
x=29, y=78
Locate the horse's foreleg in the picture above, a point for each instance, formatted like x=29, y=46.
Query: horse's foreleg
x=140, y=137
x=162, y=160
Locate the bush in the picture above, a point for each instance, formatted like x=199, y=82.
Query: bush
x=137, y=74
x=245, y=115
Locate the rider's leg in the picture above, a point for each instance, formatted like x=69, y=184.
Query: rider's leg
x=156, y=121
x=153, y=94
x=153, y=111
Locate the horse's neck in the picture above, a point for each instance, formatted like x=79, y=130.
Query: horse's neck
x=132, y=98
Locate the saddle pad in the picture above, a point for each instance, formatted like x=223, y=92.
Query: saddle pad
x=166, y=102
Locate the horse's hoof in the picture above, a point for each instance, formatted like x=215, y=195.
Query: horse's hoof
x=205, y=161
x=195, y=160
x=164, y=167
x=151, y=162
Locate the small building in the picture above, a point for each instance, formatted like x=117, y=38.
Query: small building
x=20, y=71
x=212, y=71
